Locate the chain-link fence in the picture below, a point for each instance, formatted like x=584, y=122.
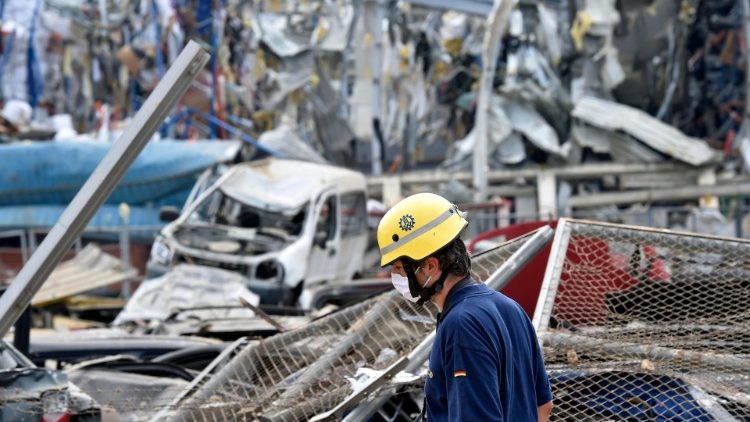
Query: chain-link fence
x=643, y=324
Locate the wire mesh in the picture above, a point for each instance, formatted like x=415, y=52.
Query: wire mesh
x=644, y=324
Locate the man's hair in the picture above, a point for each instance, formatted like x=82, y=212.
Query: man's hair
x=454, y=258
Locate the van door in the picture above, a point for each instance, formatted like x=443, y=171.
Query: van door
x=353, y=206
x=324, y=254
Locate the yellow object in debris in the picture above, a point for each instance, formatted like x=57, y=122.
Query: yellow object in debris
x=367, y=40
x=263, y=120
x=580, y=27
x=275, y=5
x=67, y=62
x=404, y=52
x=320, y=32
x=296, y=96
x=687, y=11
x=314, y=80
x=439, y=71
x=124, y=211
x=259, y=67
x=63, y=323
x=453, y=46
x=86, y=303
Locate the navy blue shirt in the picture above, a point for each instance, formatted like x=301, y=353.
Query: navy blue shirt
x=486, y=363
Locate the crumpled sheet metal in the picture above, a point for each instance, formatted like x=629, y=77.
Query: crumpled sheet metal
x=646, y=128
x=284, y=140
x=273, y=28
x=187, y=286
x=510, y=122
x=532, y=125
x=620, y=146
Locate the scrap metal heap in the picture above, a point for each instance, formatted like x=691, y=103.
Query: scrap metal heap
x=327, y=77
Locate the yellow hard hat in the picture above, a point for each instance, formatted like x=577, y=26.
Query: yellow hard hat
x=417, y=227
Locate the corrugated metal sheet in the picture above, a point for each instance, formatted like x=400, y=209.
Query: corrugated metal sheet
x=89, y=270
x=470, y=7
x=645, y=128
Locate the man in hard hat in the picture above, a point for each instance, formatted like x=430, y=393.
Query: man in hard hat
x=486, y=363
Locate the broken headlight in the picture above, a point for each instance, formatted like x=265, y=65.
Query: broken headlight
x=161, y=253
x=269, y=270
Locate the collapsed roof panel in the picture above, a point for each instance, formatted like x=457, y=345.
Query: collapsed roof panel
x=89, y=270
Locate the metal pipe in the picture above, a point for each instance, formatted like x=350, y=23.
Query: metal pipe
x=746, y=32
x=610, y=347
x=497, y=281
x=496, y=24
x=346, y=61
x=655, y=195
x=100, y=184
x=551, y=280
x=590, y=170
x=378, y=153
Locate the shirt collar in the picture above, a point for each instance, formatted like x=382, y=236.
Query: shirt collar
x=462, y=289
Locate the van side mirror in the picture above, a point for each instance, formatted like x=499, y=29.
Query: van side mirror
x=320, y=239
x=168, y=214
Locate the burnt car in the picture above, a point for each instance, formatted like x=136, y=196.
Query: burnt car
x=285, y=225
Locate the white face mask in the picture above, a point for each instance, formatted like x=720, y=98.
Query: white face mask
x=401, y=284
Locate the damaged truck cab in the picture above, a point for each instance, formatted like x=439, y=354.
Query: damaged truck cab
x=283, y=224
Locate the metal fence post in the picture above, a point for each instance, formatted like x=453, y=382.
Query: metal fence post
x=125, y=244
x=32, y=240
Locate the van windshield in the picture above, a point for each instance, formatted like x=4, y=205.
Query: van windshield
x=219, y=208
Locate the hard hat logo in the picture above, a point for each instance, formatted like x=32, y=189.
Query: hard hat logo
x=406, y=222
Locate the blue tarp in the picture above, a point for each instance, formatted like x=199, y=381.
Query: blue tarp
x=51, y=173
x=44, y=216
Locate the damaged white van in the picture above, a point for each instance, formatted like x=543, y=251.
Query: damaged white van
x=284, y=224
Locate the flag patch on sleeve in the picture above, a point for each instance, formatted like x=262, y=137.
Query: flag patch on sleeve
x=457, y=374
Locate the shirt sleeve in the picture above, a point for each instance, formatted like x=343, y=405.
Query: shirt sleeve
x=471, y=375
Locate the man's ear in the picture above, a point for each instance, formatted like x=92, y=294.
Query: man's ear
x=433, y=265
